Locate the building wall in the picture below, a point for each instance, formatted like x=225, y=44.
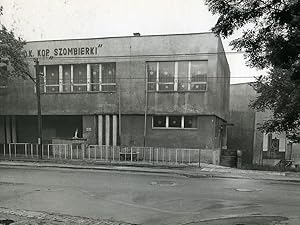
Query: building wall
x=130, y=55
x=241, y=134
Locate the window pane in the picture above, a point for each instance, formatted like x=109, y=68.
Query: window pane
x=151, y=86
x=190, y=122
x=108, y=73
x=166, y=72
x=199, y=71
x=79, y=88
x=199, y=87
x=151, y=71
x=175, y=121
x=66, y=78
x=52, y=89
x=95, y=73
x=159, y=121
x=79, y=76
x=166, y=87
x=52, y=75
x=183, y=70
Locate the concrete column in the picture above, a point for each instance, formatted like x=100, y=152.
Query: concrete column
x=100, y=131
x=115, y=127
x=60, y=78
x=107, y=129
x=88, y=77
x=13, y=129
x=45, y=78
x=8, y=129
x=71, y=77
x=176, y=77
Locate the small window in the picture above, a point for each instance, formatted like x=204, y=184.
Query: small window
x=190, y=122
x=175, y=121
x=159, y=121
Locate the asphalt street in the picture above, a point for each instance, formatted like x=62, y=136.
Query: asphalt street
x=145, y=198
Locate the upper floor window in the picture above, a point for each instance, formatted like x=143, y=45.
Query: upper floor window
x=78, y=77
x=177, y=76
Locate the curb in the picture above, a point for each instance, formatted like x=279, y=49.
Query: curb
x=124, y=168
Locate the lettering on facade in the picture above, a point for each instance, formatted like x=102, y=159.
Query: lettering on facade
x=64, y=51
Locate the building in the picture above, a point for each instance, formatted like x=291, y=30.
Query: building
x=257, y=147
x=154, y=90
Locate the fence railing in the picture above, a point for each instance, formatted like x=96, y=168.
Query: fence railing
x=102, y=153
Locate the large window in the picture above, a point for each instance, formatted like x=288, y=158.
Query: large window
x=78, y=78
x=177, y=76
x=174, y=122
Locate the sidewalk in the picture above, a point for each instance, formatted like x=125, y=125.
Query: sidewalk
x=205, y=171
x=27, y=217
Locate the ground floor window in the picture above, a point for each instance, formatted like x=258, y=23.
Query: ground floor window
x=170, y=122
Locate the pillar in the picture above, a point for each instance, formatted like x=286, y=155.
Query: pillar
x=115, y=127
x=107, y=129
x=100, y=131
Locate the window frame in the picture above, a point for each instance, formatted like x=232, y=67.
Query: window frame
x=72, y=85
x=176, y=78
x=167, y=126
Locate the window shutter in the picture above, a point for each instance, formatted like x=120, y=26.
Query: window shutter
x=265, y=142
x=282, y=142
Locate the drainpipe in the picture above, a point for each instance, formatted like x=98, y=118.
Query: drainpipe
x=146, y=105
x=120, y=111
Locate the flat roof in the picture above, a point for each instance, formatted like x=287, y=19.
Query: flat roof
x=132, y=36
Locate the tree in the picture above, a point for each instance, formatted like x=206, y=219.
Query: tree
x=270, y=40
x=12, y=57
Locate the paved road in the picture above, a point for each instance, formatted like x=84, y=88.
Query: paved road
x=147, y=198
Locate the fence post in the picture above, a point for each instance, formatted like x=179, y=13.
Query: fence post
x=199, y=157
x=66, y=151
x=15, y=145
x=71, y=149
x=26, y=150
x=42, y=146
x=77, y=154
x=113, y=152
x=4, y=149
x=89, y=149
x=176, y=156
x=95, y=152
x=9, y=150
x=31, y=150
x=48, y=153
x=157, y=155
x=189, y=156
x=83, y=148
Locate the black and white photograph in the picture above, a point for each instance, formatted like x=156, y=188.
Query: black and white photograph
x=150, y=112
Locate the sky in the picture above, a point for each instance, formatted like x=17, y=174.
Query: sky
x=68, y=19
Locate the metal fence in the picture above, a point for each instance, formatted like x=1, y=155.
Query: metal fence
x=102, y=153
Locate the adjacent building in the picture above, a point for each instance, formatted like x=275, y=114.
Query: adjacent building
x=154, y=90
x=257, y=147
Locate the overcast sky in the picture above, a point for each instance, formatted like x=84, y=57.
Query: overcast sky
x=61, y=19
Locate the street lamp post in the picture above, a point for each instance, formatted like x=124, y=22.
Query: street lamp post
x=39, y=111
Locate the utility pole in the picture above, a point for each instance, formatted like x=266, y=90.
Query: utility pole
x=39, y=111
